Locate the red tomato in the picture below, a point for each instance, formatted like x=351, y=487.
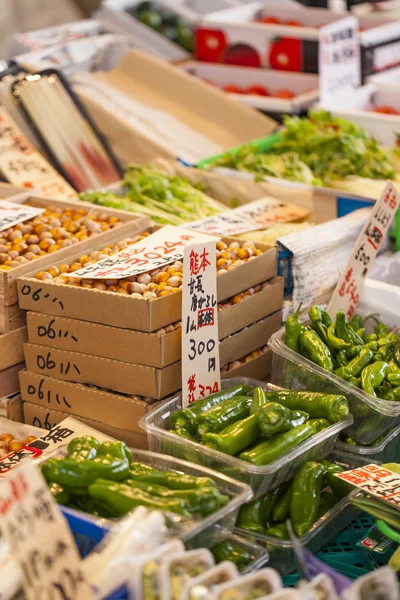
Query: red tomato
x=269, y=20
x=231, y=88
x=284, y=94
x=294, y=23
x=257, y=90
x=386, y=110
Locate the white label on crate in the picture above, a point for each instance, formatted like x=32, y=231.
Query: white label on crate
x=162, y=248
x=39, y=538
x=60, y=34
x=339, y=61
x=12, y=214
x=200, y=343
x=375, y=480
x=259, y=214
x=351, y=282
x=385, y=57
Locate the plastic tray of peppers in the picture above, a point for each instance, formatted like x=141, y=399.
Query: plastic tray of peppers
x=108, y=480
x=246, y=555
x=340, y=357
x=231, y=420
x=385, y=449
x=316, y=502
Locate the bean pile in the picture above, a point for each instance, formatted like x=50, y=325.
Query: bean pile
x=9, y=444
x=51, y=231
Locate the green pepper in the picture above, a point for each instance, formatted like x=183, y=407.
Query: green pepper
x=342, y=328
x=342, y=358
x=254, y=515
x=259, y=399
x=279, y=444
x=393, y=365
x=184, y=433
x=354, y=351
x=281, y=509
x=217, y=418
x=278, y=531
x=339, y=487
x=371, y=337
x=356, y=365
x=137, y=468
x=373, y=375
x=60, y=495
x=83, y=448
x=381, y=330
x=184, y=418
x=235, y=437
x=394, y=379
x=275, y=418
x=355, y=323
x=172, y=480
x=361, y=332
x=384, y=354
x=356, y=381
x=228, y=550
x=317, y=322
x=116, y=449
x=351, y=441
x=335, y=342
x=315, y=348
x=393, y=395
x=397, y=357
x=119, y=499
x=317, y=404
x=293, y=329
x=306, y=492
x=327, y=502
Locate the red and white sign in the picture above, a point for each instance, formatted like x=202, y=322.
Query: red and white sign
x=11, y=214
x=200, y=343
x=375, y=480
x=39, y=538
x=351, y=283
x=162, y=248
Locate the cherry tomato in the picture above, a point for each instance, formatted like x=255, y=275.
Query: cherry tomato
x=269, y=20
x=386, y=110
x=257, y=90
x=231, y=88
x=284, y=94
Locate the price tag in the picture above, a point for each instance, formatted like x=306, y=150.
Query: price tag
x=153, y=252
x=259, y=214
x=12, y=214
x=200, y=342
x=339, y=61
x=39, y=538
x=375, y=480
x=351, y=283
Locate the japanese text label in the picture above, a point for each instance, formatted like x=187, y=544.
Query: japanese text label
x=12, y=214
x=375, y=480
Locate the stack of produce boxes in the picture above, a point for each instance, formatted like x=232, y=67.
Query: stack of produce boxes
x=31, y=246
x=103, y=350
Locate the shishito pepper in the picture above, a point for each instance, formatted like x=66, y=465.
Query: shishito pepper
x=393, y=395
x=306, y=491
x=272, y=449
x=278, y=531
x=184, y=418
x=254, y=515
x=119, y=499
x=317, y=323
x=316, y=350
x=373, y=375
x=235, y=437
x=327, y=502
x=172, y=480
x=259, y=399
x=137, y=468
x=225, y=413
x=83, y=448
x=318, y=405
x=60, y=495
x=355, y=366
x=281, y=509
x=293, y=329
x=335, y=342
x=117, y=449
x=381, y=330
x=228, y=550
x=394, y=379
x=275, y=418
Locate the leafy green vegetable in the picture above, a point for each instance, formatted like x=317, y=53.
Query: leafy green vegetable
x=167, y=199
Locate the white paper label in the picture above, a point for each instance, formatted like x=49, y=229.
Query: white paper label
x=339, y=61
x=153, y=252
x=351, y=282
x=375, y=480
x=12, y=214
x=60, y=34
x=39, y=538
x=259, y=214
x=200, y=343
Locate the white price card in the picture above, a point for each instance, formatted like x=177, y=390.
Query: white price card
x=375, y=480
x=39, y=538
x=259, y=214
x=200, y=343
x=12, y=214
x=153, y=252
x=351, y=282
x=339, y=61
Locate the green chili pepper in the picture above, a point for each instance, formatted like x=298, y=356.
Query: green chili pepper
x=60, y=495
x=397, y=357
x=281, y=509
x=356, y=381
x=225, y=413
x=383, y=389
x=381, y=330
x=120, y=498
x=279, y=444
x=339, y=487
x=316, y=349
x=373, y=375
x=172, y=480
x=235, y=437
x=254, y=515
x=306, y=492
x=259, y=399
x=393, y=365
x=116, y=449
x=330, y=406
x=355, y=323
x=228, y=550
x=361, y=332
x=342, y=328
x=336, y=342
x=317, y=322
x=327, y=502
x=275, y=418
x=393, y=395
x=326, y=318
x=137, y=468
x=293, y=328
x=184, y=418
x=355, y=366
x=349, y=440
x=372, y=346
x=83, y=448
x=184, y=433
x=371, y=337
x=354, y=351
x=278, y=531
x=342, y=358
x=383, y=354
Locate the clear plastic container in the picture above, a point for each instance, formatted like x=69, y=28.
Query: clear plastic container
x=388, y=449
x=372, y=416
x=266, y=580
x=261, y=479
x=259, y=554
x=281, y=552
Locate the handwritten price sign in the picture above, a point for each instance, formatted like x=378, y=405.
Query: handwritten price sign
x=153, y=252
x=12, y=214
x=200, y=342
x=351, y=283
x=375, y=480
x=39, y=538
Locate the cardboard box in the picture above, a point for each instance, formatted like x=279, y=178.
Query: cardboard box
x=11, y=407
x=11, y=317
x=257, y=368
x=19, y=430
x=150, y=349
x=235, y=36
x=9, y=381
x=11, y=347
x=131, y=224
x=82, y=401
x=40, y=416
x=119, y=310
x=158, y=85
